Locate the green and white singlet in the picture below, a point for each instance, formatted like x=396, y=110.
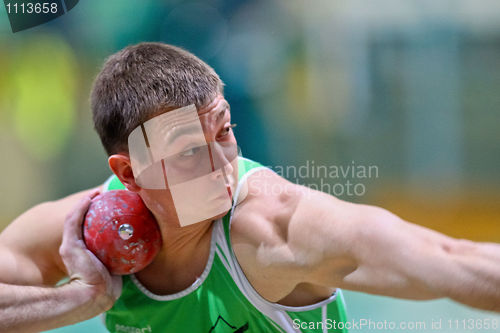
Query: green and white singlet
x=221, y=299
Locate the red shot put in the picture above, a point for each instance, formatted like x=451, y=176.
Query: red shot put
x=121, y=231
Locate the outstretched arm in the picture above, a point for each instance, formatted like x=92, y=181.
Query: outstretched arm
x=389, y=256
x=325, y=241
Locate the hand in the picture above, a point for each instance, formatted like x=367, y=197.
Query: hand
x=83, y=267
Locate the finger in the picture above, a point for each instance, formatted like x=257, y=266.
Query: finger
x=94, y=193
x=117, y=286
x=74, y=221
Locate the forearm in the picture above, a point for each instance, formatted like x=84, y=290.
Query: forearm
x=478, y=280
x=419, y=263
x=395, y=258
x=33, y=309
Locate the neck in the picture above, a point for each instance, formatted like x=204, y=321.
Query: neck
x=183, y=247
x=183, y=240
x=181, y=260
x=178, y=242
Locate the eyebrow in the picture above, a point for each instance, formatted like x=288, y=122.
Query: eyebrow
x=222, y=112
x=191, y=131
x=189, y=134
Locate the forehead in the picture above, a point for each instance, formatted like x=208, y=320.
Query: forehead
x=212, y=111
x=211, y=114
x=167, y=126
x=216, y=104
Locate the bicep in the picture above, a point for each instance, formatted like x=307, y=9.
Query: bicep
x=29, y=246
x=369, y=249
x=18, y=269
x=397, y=258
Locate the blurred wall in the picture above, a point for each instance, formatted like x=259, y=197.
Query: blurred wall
x=410, y=88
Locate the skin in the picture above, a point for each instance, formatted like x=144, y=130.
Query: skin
x=31, y=265
x=295, y=246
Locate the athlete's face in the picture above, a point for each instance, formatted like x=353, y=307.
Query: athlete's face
x=195, y=172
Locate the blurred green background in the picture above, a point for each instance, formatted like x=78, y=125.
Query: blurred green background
x=411, y=87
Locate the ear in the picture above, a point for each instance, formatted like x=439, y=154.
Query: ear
x=121, y=166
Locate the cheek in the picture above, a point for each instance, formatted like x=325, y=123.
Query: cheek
x=157, y=201
x=232, y=138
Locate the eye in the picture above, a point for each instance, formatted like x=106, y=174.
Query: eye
x=190, y=152
x=227, y=129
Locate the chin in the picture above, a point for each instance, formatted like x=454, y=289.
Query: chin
x=221, y=215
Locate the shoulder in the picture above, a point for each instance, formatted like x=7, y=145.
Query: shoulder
x=261, y=216
x=259, y=233
x=44, y=219
x=284, y=227
x=275, y=206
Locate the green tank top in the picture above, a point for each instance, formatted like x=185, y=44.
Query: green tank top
x=221, y=299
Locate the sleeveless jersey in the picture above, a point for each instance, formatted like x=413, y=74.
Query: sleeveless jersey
x=221, y=299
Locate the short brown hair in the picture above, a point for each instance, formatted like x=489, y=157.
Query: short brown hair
x=141, y=80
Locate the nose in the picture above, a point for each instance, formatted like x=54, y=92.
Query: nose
x=228, y=167
x=222, y=159
x=222, y=155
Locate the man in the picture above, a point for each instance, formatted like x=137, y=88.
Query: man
x=247, y=257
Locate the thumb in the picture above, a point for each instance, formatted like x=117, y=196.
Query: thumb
x=116, y=286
